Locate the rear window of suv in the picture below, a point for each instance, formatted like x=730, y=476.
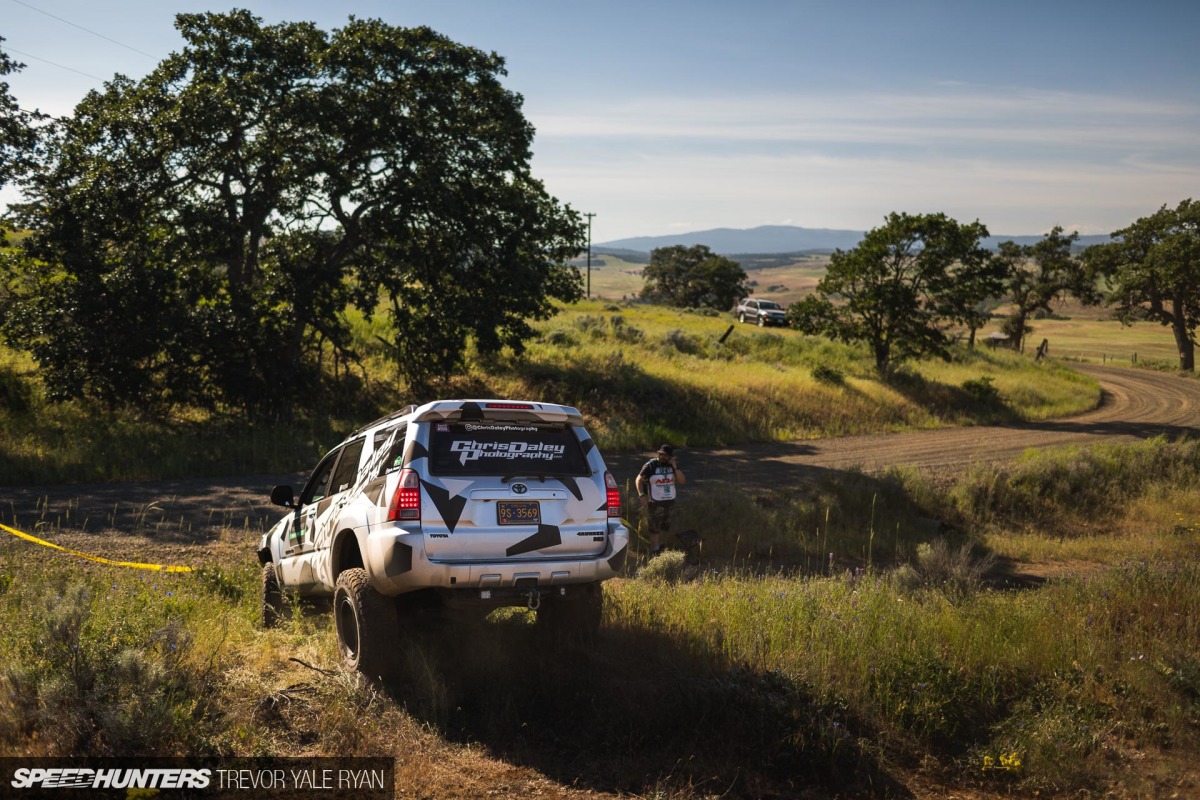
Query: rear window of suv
x=505, y=448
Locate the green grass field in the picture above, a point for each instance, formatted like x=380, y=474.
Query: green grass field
x=1091, y=334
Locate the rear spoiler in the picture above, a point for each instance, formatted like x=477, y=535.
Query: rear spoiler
x=498, y=410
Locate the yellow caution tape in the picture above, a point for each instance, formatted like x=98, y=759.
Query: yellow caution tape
x=97, y=559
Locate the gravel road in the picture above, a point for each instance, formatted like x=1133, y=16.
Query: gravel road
x=1136, y=404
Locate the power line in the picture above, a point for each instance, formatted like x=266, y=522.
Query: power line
x=85, y=30
x=54, y=64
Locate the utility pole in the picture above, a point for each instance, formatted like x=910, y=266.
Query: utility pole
x=589, y=278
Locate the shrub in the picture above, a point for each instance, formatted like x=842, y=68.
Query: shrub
x=982, y=390
x=591, y=325
x=683, y=342
x=560, y=338
x=623, y=331
x=102, y=693
x=1049, y=485
x=827, y=375
x=16, y=395
x=668, y=567
x=957, y=572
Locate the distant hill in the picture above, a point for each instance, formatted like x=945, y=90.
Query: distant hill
x=763, y=239
x=769, y=239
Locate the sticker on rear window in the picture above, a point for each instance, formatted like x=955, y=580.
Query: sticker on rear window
x=506, y=448
x=471, y=450
x=470, y=426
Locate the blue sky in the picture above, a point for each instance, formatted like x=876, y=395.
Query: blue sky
x=664, y=117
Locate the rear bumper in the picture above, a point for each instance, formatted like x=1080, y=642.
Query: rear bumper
x=398, y=565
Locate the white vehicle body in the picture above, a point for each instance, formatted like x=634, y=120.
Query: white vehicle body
x=484, y=502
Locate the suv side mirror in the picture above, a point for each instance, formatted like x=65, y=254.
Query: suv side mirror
x=283, y=496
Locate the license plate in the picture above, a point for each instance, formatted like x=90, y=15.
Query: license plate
x=519, y=512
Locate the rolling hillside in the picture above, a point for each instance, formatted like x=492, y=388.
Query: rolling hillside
x=783, y=239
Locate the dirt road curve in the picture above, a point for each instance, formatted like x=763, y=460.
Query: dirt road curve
x=1136, y=404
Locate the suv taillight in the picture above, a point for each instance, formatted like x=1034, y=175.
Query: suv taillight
x=613, y=496
x=406, y=502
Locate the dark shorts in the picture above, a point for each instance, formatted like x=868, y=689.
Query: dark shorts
x=659, y=516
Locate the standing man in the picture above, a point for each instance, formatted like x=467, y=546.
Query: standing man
x=656, y=487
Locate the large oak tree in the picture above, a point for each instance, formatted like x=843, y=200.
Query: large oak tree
x=17, y=131
x=200, y=232
x=1038, y=275
x=1153, y=271
x=693, y=277
x=901, y=287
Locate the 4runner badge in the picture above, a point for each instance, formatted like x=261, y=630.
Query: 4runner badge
x=519, y=488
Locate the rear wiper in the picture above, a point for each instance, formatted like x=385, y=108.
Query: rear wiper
x=508, y=478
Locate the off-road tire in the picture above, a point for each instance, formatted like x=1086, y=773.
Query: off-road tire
x=366, y=625
x=272, y=597
x=742, y=318
x=573, y=618
x=762, y=323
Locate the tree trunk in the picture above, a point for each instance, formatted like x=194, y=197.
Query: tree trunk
x=882, y=358
x=1187, y=350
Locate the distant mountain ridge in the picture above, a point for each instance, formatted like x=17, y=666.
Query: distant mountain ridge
x=781, y=239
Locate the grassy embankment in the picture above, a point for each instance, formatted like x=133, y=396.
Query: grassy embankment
x=641, y=374
x=729, y=677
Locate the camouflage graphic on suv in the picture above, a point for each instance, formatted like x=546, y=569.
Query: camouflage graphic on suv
x=458, y=496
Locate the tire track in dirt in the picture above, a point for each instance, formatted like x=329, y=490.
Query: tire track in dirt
x=1136, y=404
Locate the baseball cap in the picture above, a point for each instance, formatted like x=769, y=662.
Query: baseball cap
x=667, y=450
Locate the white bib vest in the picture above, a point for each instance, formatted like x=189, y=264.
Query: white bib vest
x=662, y=485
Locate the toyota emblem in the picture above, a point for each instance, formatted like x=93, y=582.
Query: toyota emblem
x=519, y=488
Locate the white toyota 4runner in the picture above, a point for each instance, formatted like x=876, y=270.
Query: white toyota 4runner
x=456, y=504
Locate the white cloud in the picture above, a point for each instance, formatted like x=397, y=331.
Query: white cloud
x=1021, y=161
x=980, y=116
x=816, y=190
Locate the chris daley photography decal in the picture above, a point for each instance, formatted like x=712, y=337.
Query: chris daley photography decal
x=471, y=450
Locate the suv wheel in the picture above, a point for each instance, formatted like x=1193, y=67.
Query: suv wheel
x=762, y=322
x=577, y=616
x=742, y=317
x=272, y=597
x=366, y=624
